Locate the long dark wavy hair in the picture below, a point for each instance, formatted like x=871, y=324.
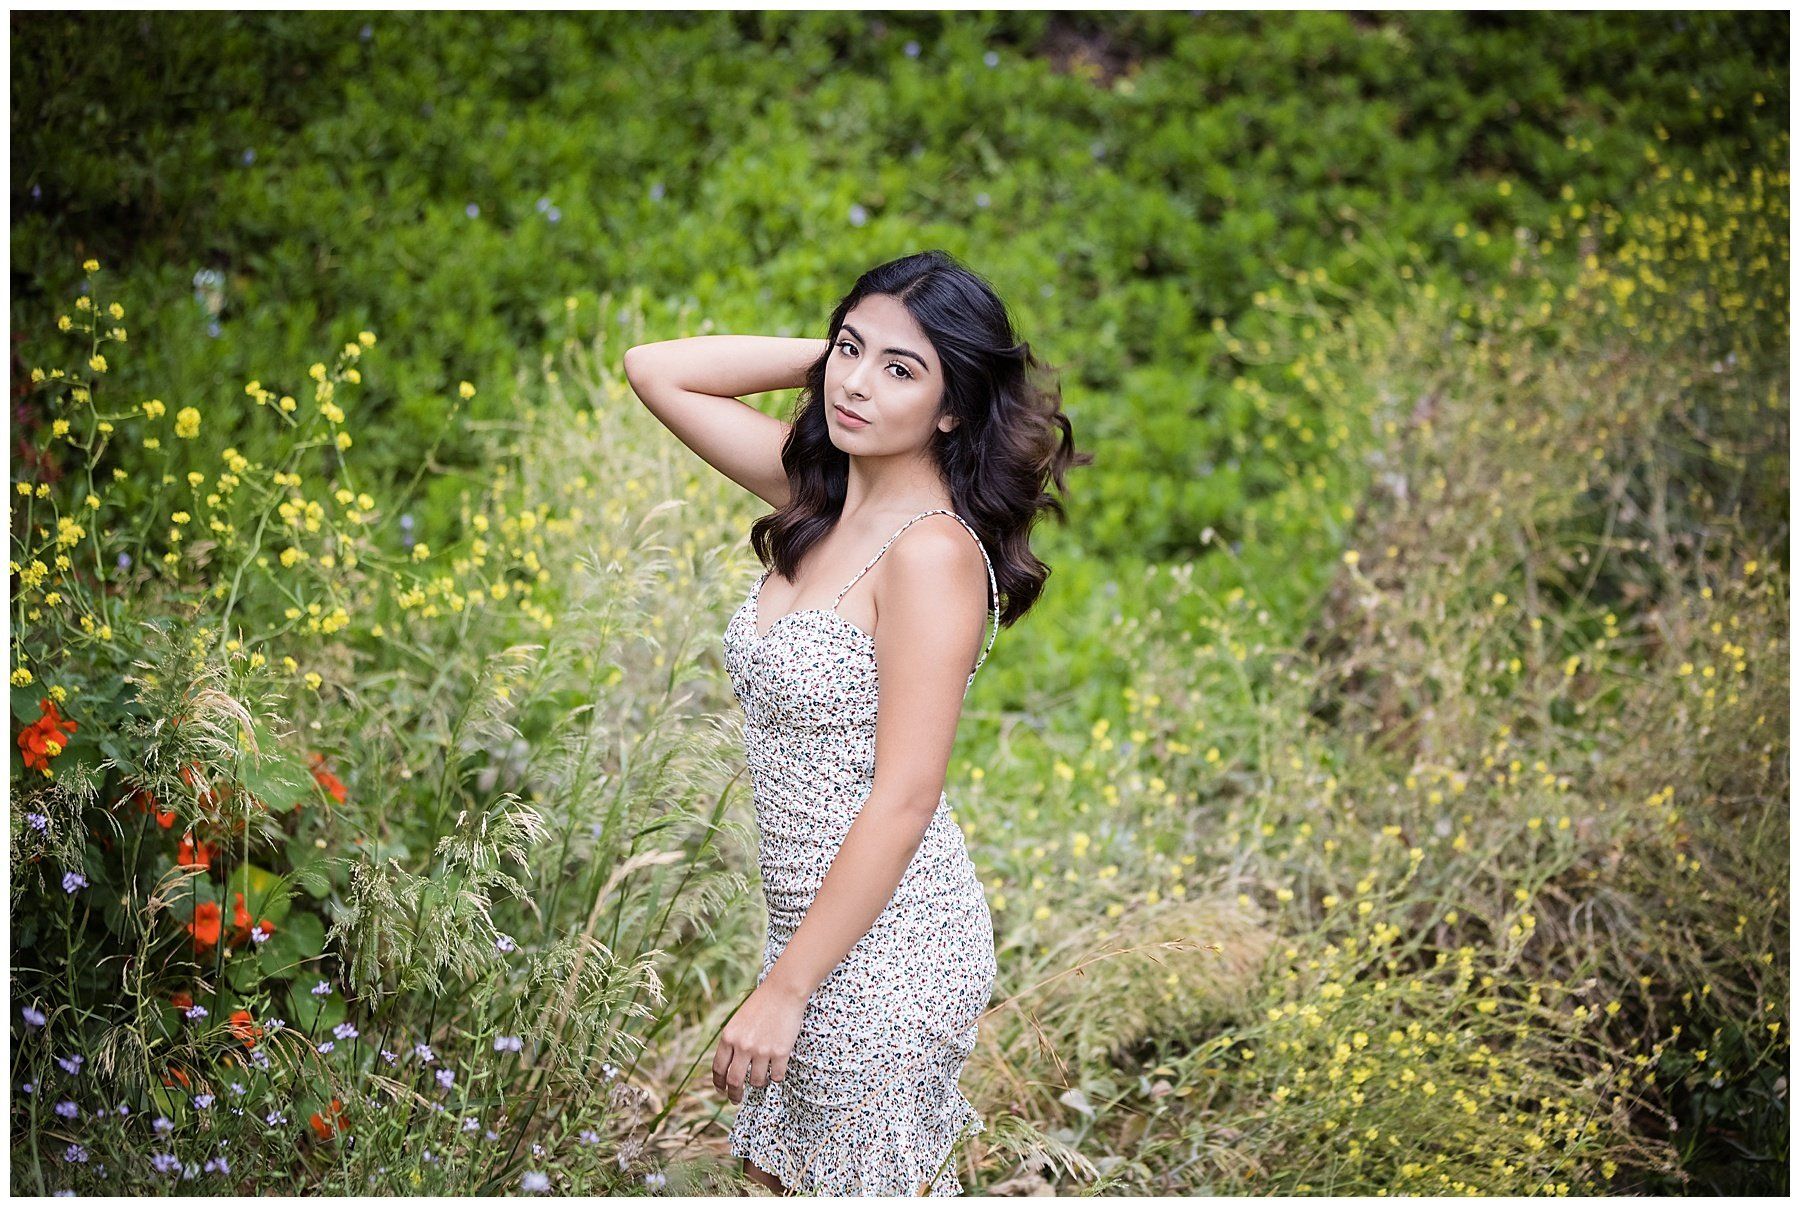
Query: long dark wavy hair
x=1010, y=441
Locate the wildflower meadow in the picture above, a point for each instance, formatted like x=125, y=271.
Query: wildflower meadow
x=1389, y=795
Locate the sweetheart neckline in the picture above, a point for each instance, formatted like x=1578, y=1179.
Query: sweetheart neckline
x=757, y=639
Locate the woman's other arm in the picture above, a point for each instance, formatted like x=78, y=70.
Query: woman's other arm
x=692, y=384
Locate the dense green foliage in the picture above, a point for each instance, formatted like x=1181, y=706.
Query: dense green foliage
x=1417, y=644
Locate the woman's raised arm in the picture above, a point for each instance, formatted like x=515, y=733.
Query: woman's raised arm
x=692, y=384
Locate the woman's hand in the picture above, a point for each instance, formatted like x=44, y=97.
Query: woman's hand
x=755, y=1045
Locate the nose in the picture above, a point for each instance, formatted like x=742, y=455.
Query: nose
x=853, y=383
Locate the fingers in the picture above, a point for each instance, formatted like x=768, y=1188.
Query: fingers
x=734, y=1076
x=721, y=1062
x=734, y=1068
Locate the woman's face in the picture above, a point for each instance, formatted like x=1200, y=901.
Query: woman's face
x=883, y=369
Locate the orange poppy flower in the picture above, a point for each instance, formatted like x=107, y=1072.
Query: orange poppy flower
x=206, y=924
x=327, y=1127
x=35, y=740
x=181, y=999
x=146, y=803
x=178, y=1075
x=240, y=923
x=192, y=853
x=244, y=1026
x=326, y=779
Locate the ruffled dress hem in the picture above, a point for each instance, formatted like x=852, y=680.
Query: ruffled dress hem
x=848, y=1160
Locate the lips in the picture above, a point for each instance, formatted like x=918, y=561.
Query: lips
x=849, y=414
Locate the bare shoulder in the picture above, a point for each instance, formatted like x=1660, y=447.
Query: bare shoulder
x=939, y=558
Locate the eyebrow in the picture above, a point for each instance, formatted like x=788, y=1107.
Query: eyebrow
x=887, y=351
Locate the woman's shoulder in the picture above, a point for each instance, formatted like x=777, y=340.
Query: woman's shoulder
x=939, y=548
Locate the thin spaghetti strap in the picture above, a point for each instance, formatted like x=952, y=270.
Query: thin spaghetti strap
x=993, y=585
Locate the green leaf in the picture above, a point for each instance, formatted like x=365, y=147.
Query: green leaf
x=245, y=976
x=265, y=895
x=313, y=1015
x=300, y=939
x=26, y=706
x=279, y=781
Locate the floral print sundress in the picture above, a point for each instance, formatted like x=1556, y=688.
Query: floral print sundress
x=870, y=1104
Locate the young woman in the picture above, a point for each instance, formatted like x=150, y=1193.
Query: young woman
x=904, y=492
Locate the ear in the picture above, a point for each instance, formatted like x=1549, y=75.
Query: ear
x=947, y=423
